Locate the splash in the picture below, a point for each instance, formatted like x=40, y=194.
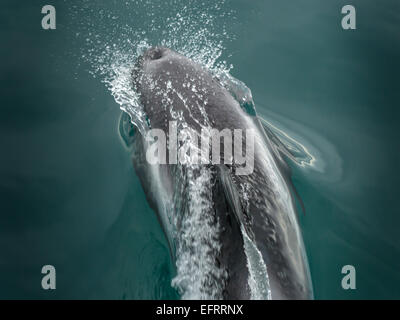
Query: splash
x=258, y=276
x=113, y=34
x=110, y=32
x=198, y=276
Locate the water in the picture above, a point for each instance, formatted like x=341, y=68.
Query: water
x=69, y=194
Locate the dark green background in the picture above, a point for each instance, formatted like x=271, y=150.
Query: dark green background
x=69, y=196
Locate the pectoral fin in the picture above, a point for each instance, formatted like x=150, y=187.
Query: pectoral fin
x=126, y=129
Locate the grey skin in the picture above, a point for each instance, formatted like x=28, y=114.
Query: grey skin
x=267, y=213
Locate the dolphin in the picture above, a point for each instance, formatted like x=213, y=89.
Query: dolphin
x=232, y=236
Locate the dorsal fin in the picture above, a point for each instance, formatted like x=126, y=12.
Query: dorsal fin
x=233, y=199
x=258, y=280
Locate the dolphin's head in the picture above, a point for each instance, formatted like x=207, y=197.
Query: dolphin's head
x=160, y=66
x=152, y=64
x=151, y=56
x=169, y=81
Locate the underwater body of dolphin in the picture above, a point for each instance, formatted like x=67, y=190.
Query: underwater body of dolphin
x=233, y=236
